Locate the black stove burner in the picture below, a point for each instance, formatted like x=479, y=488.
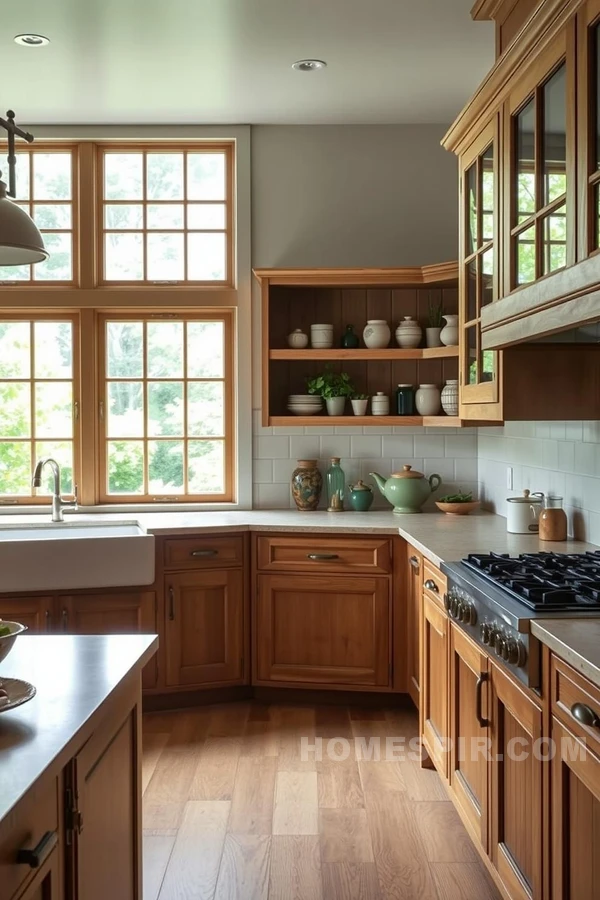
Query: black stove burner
x=552, y=581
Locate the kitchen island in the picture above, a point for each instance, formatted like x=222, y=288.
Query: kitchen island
x=70, y=790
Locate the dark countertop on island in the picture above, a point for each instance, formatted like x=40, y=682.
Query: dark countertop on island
x=74, y=676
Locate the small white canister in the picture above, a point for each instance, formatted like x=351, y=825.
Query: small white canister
x=380, y=404
x=523, y=513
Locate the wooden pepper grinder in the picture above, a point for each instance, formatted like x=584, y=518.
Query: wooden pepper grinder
x=553, y=520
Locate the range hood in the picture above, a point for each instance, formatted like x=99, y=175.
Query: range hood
x=563, y=301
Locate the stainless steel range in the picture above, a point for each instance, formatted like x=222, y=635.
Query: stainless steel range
x=494, y=596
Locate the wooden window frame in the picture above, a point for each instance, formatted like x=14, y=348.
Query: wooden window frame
x=227, y=316
x=185, y=147
x=54, y=147
x=7, y=500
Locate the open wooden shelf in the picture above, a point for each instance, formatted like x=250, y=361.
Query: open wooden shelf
x=324, y=419
x=365, y=355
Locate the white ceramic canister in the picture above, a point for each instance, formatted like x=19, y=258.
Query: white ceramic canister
x=450, y=397
x=297, y=340
x=449, y=333
x=427, y=400
x=408, y=333
x=377, y=334
x=321, y=337
x=380, y=404
x=522, y=513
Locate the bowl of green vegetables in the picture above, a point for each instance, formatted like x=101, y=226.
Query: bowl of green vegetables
x=459, y=504
x=9, y=632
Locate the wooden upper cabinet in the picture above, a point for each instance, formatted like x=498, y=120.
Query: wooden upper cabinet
x=540, y=198
x=479, y=167
x=588, y=131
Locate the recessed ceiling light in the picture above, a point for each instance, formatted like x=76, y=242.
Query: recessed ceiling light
x=32, y=40
x=309, y=65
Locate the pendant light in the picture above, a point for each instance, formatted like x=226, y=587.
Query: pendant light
x=20, y=240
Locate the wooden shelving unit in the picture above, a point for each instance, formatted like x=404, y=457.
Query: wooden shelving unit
x=297, y=298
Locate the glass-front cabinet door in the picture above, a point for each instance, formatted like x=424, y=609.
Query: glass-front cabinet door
x=589, y=128
x=479, y=269
x=539, y=203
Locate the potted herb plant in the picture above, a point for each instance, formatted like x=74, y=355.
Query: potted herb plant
x=436, y=319
x=333, y=387
x=359, y=404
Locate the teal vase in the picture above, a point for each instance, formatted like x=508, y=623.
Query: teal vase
x=350, y=340
x=336, y=486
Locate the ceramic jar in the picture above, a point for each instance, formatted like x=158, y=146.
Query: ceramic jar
x=350, y=339
x=380, y=404
x=405, y=400
x=360, y=496
x=321, y=337
x=377, y=334
x=359, y=406
x=553, y=520
x=408, y=333
x=427, y=400
x=449, y=397
x=433, y=337
x=297, y=340
x=307, y=484
x=449, y=333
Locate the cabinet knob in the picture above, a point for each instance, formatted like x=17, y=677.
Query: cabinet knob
x=432, y=586
x=585, y=715
x=35, y=858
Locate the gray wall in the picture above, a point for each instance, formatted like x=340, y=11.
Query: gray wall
x=352, y=196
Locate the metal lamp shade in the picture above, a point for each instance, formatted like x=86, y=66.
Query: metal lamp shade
x=20, y=240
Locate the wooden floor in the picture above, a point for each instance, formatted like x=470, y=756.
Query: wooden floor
x=232, y=812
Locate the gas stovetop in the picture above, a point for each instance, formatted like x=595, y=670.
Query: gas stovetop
x=544, y=582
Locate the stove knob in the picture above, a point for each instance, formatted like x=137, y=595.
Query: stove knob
x=454, y=607
x=498, y=643
x=516, y=653
x=447, y=602
x=472, y=617
x=504, y=650
x=485, y=632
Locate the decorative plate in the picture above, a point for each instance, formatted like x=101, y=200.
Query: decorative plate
x=14, y=692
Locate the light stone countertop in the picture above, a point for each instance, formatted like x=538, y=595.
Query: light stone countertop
x=439, y=537
x=577, y=641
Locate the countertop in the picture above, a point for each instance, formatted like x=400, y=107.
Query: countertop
x=577, y=641
x=439, y=537
x=74, y=676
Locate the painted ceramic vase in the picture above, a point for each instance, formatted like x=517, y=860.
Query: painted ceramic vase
x=408, y=333
x=450, y=398
x=377, y=334
x=449, y=333
x=307, y=485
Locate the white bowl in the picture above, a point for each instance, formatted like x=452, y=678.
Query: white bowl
x=7, y=641
x=305, y=410
x=305, y=398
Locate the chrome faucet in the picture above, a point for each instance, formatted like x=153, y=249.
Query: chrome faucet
x=58, y=504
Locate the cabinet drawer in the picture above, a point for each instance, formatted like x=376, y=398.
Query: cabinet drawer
x=23, y=829
x=571, y=690
x=203, y=552
x=435, y=584
x=367, y=556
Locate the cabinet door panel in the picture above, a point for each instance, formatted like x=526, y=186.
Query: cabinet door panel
x=34, y=612
x=575, y=818
x=469, y=755
x=205, y=627
x=323, y=630
x=516, y=789
x=414, y=589
x=433, y=712
x=46, y=883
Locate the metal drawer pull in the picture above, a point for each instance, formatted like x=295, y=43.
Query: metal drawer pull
x=432, y=586
x=171, y=604
x=585, y=715
x=322, y=556
x=483, y=677
x=36, y=857
x=414, y=562
x=65, y=619
x=203, y=553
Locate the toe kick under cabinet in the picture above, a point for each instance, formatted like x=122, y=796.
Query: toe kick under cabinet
x=322, y=612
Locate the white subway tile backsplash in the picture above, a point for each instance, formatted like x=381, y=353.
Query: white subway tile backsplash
x=430, y=445
x=270, y=447
x=272, y=496
x=263, y=471
x=305, y=447
x=585, y=458
x=366, y=446
x=335, y=445
x=399, y=445
x=461, y=445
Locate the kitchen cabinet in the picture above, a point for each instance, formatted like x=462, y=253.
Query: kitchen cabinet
x=46, y=883
x=323, y=630
x=34, y=827
x=588, y=127
x=433, y=710
x=34, y=612
x=469, y=733
x=516, y=773
x=204, y=627
x=410, y=625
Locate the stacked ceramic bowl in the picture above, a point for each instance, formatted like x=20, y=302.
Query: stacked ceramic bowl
x=305, y=404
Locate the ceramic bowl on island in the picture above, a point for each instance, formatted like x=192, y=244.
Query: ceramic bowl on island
x=9, y=632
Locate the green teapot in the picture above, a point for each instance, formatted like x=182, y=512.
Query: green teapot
x=360, y=496
x=407, y=491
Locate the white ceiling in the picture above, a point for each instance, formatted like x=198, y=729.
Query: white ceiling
x=228, y=61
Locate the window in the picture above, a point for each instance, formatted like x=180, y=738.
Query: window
x=166, y=407
x=166, y=215
x=38, y=368
x=45, y=179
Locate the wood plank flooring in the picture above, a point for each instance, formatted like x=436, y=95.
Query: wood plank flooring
x=232, y=811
